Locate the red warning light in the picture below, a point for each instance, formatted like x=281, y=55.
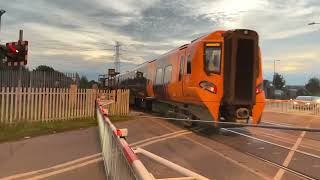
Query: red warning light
x=17, y=54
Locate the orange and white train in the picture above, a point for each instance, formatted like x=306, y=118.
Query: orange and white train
x=217, y=76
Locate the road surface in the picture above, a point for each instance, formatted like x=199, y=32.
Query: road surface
x=261, y=154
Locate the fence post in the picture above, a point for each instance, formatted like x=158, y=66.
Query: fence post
x=73, y=100
x=2, y=93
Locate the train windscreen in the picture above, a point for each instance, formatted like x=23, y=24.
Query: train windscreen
x=212, y=57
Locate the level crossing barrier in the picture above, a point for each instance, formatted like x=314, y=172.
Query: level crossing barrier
x=120, y=160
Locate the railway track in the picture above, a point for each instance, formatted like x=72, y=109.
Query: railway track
x=290, y=170
x=259, y=157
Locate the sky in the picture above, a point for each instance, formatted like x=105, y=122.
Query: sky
x=79, y=36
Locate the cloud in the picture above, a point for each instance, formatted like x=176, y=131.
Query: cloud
x=80, y=35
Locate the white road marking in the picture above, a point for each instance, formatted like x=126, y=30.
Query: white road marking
x=156, y=137
x=162, y=139
x=65, y=169
x=51, y=168
x=268, y=142
x=289, y=157
x=68, y=166
x=161, y=124
x=230, y=159
x=166, y=138
x=287, y=140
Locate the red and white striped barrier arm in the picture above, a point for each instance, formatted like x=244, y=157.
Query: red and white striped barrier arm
x=139, y=169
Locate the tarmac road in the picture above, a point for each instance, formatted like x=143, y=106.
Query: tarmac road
x=217, y=156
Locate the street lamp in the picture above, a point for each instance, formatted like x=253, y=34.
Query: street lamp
x=1, y=13
x=274, y=68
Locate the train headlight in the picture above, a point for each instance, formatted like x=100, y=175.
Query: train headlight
x=208, y=86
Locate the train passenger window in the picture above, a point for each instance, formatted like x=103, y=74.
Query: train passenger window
x=167, y=74
x=189, y=64
x=181, y=70
x=159, y=76
x=212, y=57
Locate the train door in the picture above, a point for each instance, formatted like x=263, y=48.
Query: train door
x=150, y=78
x=187, y=81
x=181, y=71
x=158, y=86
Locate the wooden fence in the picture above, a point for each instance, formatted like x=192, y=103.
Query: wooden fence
x=48, y=104
x=120, y=98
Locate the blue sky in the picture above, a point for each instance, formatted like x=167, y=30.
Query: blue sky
x=80, y=35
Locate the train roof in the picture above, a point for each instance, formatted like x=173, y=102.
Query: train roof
x=200, y=38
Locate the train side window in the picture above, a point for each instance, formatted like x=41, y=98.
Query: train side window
x=159, y=76
x=181, y=70
x=189, y=64
x=167, y=74
x=212, y=57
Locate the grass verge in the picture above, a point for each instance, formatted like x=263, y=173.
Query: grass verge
x=31, y=129
x=115, y=119
x=19, y=131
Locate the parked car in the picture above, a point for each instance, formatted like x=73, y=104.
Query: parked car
x=306, y=102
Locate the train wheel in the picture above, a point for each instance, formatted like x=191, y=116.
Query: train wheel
x=188, y=124
x=137, y=102
x=149, y=106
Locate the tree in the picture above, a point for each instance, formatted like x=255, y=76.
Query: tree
x=303, y=92
x=278, y=81
x=44, y=68
x=84, y=83
x=92, y=82
x=313, y=86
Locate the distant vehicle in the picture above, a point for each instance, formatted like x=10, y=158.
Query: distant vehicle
x=217, y=75
x=306, y=102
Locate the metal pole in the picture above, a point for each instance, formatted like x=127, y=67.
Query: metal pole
x=20, y=66
x=117, y=57
x=170, y=165
x=274, y=69
x=1, y=13
x=21, y=35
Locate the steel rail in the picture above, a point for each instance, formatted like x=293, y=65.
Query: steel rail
x=276, y=164
x=282, y=167
x=245, y=135
x=258, y=139
x=280, y=127
x=268, y=142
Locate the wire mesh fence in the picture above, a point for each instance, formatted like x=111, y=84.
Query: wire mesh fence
x=37, y=79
